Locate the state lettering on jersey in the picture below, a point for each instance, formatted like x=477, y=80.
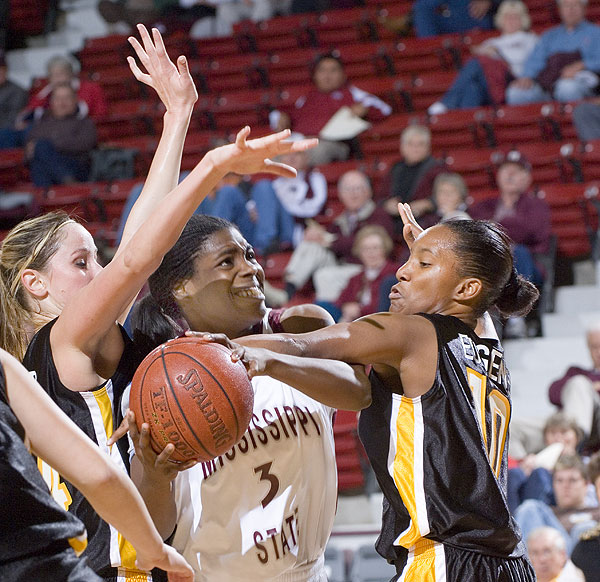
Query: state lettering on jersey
x=285, y=422
x=491, y=360
x=276, y=543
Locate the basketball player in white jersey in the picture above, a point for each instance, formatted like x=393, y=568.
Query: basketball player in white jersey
x=264, y=510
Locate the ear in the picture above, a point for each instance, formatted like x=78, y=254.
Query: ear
x=468, y=289
x=34, y=283
x=181, y=291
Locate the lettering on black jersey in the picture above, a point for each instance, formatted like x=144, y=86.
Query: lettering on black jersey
x=480, y=354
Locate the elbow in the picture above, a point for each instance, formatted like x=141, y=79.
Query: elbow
x=361, y=398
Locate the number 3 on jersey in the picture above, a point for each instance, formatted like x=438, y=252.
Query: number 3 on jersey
x=498, y=407
x=266, y=475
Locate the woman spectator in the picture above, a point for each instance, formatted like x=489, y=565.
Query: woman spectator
x=484, y=78
x=373, y=246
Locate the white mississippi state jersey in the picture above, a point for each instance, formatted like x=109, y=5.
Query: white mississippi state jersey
x=264, y=510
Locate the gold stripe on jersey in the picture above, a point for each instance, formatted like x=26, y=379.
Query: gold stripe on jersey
x=79, y=544
x=127, y=553
x=408, y=469
x=478, y=386
x=102, y=413
x=126, y=575
x=500, y=411
x=426, y=563
x=104, y=403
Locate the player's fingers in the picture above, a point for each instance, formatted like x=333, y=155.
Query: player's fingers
x=303, y=145
x=159, y=44
x=183, y=67
x=117, y=434
x=238, y=354
x=279, y=169
x=164, y=456
x=137, y=73
x=146, y=40
x=240, y=138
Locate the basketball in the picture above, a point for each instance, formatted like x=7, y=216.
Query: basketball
x=192, y=395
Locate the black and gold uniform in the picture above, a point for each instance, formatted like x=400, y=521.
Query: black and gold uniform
x=97, y=412
x=441, y=462
x=38, y=540
x=586, y=554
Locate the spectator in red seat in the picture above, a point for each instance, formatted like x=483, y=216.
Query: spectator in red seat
x=325, y=254
x=331, y=92
x=90, y=94
x=433, y=17
x=564, y=63
x=410, y=180
x=60, y=142
x=526, y=218
x=449, y=197
x=483, y=78
x=578, y=392
x=12, y=97
x=373, y=247
x=92, y=101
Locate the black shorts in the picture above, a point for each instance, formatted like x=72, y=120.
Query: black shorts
x=461, y=565
x=61, y=564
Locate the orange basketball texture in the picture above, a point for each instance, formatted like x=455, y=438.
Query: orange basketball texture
x=192, y=395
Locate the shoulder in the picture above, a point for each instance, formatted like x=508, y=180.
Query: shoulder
x=304, y=318
x=591, y=534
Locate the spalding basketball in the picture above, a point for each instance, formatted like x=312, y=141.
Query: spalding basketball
x=192, y=395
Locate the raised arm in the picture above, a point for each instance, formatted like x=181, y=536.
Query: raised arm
x=61, y=444
x=85, y=341
x=175, y=88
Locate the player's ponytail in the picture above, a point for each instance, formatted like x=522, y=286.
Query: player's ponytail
x=518, y=295
x=484, y=252
x=151, y=325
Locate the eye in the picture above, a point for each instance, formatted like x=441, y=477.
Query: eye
x=250, y=254
x=81, y=263
x=424, y=264
x=226, y=261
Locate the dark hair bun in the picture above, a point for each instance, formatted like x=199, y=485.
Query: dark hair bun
x=518, y=296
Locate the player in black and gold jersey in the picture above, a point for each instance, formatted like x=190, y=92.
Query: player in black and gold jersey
x=52, y=284
x=38, y=539
x=436, y=431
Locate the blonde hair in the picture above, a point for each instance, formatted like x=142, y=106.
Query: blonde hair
x=513, y=6
x=452, y=178
x=373, y=229
x=29, y=245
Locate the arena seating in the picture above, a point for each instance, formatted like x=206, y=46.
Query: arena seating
x=267, y=65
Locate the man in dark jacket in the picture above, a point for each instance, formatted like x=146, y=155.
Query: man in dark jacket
x=59, y=144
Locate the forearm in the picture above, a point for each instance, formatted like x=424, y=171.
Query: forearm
x=333, y=383
x=159, y=498
x=118, y=502
x=164, y=170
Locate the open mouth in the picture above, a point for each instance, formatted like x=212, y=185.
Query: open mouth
x=250, y=292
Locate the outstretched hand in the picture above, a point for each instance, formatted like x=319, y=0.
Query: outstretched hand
x=174, y=84
x=254, y=156
x=411, y=229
